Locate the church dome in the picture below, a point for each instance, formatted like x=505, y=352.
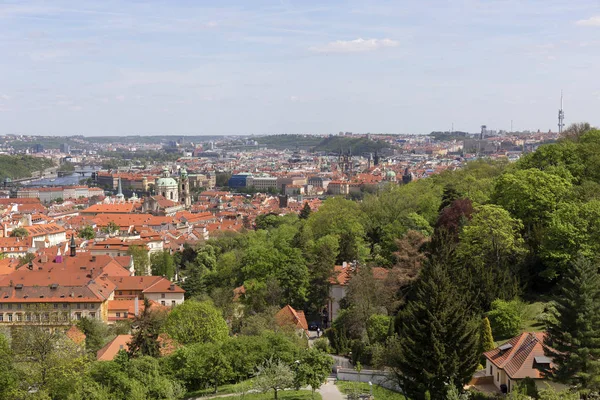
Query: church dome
x=166, y=182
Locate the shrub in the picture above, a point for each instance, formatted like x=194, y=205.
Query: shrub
x=505, y=318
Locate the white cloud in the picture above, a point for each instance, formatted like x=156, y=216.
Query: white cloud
x=294, y=98
x=120, y=98
x=593, y=21
x=354, y=46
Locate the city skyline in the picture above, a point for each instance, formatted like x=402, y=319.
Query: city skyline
x=190, y=68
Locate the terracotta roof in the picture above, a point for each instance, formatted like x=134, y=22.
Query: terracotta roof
x=517, y=356
x=119, y=208
x=121, y=342
x=146, y=284
x=110, y=350
x=76, y=335
x=44, y=229
x=288, y=316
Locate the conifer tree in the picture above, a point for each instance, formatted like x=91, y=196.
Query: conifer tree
x=439, y=338
x=305, y=212
x=145, y=331
x=573, y=338
x=487, y=340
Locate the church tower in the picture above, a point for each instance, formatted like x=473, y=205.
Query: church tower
x=184, y=189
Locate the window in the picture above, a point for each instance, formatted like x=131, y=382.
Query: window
x=1, y=306
x=162, y=302
x=55, y=305
x=92, y=315
x=173, y=303
x=78, y=306
x=9, y=317
x=491, y=370
x=498, y=377
x=120, y=292
x=125, y=314
x=162, y=295
x=118, y=315
x=27, y=317
x=19, y=317
x=78, y=316
x=65, y=305
x=19, y=306
x=1, y=317
x=9, y=306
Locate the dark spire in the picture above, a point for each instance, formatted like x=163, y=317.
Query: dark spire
x=73, y=246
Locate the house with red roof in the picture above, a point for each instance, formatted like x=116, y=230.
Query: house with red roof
x=521, y=357
x=289, y=317
x=156, y=288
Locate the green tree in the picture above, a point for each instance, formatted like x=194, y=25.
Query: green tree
x=492, y=250
x=305, y=212
x=40, y=353
x=506, y=318
x=196, y=322
x=313, y=368
x=87, y=233
x=146, y=329
x=572, y=229
x=487, y=340
x=342, y=218
x=8, y=375
x=573, y=337
x=274, y=374
x=141, y=259
x=531, y=195
x=111, y=228
x=323, y=254
x=163, y=264
x=439, y=338
x=19, y=233
x=95, y=333
x=205, y=364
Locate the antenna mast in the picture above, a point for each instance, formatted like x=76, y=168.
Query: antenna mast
x=561, y=115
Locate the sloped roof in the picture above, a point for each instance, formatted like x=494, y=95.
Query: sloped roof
x=518, y=361
x=76, y=335
x=287, y=316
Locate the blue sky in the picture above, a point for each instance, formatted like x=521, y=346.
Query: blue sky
x=116, y=67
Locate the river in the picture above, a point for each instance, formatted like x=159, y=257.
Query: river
x=67, y=180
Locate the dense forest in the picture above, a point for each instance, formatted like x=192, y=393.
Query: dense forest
x=21, y=166
x=441, y=270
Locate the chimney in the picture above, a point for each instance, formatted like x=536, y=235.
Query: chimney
x=344, y=264
x=136, y=306
x=172, y=287
x=93, y=258
x=73, y=246
x=30, y=266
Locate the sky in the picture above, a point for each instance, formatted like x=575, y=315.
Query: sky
x=193, y=67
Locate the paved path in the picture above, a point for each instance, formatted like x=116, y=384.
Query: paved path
x=329, y=391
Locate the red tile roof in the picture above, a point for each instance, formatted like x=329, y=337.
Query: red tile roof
x=287, y=316
x=518, y=360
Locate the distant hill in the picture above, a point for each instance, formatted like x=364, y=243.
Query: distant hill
x=357, y=145
x=15, y=167
x=291, y=142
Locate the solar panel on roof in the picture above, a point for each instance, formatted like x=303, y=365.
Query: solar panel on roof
x=505, y=346
x=542, y=360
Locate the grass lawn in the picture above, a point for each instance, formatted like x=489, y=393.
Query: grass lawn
x=243, y=386
x=378, y=392
x=530, y=324
x=281, y=395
